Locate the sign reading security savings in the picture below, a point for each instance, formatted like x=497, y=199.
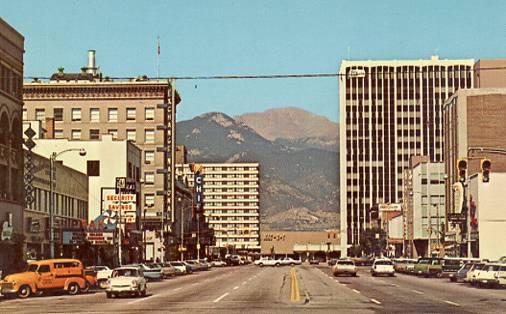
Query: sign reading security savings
x=124, y=204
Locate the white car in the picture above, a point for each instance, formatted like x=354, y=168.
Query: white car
x=344, y=267
x=473, y=271
x=489, y=275
x=180, y=267
x=218, y=263
x=290, y=261
x=126, y=280
x=103, y=274
x=383, y=266
x=267, y=261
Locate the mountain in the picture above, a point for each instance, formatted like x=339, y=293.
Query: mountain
x=290, y=178
x=294, y=127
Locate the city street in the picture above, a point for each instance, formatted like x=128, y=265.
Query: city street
x=305, y=288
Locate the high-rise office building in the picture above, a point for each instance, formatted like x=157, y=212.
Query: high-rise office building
x=389, y=111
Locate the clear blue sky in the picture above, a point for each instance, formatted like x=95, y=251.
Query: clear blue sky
x=250, y=37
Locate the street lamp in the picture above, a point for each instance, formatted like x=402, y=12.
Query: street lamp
x=52, y=185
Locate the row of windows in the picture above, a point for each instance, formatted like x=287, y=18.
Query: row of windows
x=63, y=205
x=94, y=134
x=94, y=114
x=233, y=211
x=230, y=204
x=10, y=82
x=237, y=197
x=209, y=183
x=223, y=176
x=230, y=190
x=230, y=169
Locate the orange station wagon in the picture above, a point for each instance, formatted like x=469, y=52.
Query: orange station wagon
x=55, y=274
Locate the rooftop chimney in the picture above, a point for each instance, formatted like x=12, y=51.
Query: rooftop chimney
x=91, y=62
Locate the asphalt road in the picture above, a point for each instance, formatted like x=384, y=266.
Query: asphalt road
x=300, y=289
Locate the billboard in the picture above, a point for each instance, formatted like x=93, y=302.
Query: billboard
x=125, y=205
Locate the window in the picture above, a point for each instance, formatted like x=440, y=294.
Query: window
x=149, y=177
x=94, y=114
x=76, y=114
x=131, y=114
x=131, y=135
x=149, y=136
x=58, y=114
x=149, y=157
x=149, y=200
x=58, y=133
x=76, y=134
x=94, y=134
x=113, y=132
x=40, y=114
x=112, y=115
x=149, y=114
x=25, y=115
x=93, y=168
x=44, y=269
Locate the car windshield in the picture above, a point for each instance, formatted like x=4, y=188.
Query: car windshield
x=127, y=272
x=383, y=263
x=345, y=263
x=467, y=266
x=176, y=264
x=32, y=267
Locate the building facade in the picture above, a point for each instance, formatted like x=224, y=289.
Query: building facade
x=389, y=111
x=490, y=73
x=424, y=208
x=11, y=151
x=474, y=130
x=105, y=160
x=87, y=105
x=70, y=206
x=231, y=203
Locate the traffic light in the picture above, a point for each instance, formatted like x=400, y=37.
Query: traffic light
x=462, y=169
x=485, y=170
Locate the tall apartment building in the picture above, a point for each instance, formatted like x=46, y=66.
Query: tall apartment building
x=11, y=139
x=86, y=105
x=231, y=202
x=389, y=111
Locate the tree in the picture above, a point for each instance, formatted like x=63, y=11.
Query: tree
x=373, y=241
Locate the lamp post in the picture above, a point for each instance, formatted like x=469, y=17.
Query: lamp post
x=52, y=186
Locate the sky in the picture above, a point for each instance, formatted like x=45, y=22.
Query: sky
x=250, y=38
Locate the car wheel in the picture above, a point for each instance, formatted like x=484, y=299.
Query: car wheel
x=87, y=287
x=261, y=265
x=277, y=265
x=143, y=292
x=373, y=274
x=102, y=283
x=108, y=295
x=24, y=292
x=354, y=274
x=73, y=288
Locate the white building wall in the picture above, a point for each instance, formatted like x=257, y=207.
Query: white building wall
x=111, y=154
x=395, y=228
x=491, y=213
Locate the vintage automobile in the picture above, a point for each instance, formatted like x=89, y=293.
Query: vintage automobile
x=126, y=280
x=344, y=267
x=429, y=267
x=382, y=266
x=102, y=273
x=46, y=275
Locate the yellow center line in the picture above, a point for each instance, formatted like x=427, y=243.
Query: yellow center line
x=294, y=287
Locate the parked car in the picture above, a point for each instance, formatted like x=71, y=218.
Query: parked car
x=382, y=266
x=45, y=275
x=363, y=261
x=314, y=261
x=404, y=265
x=233, y=260
x=180, y=267
x=190, y=268
x=126, y=280
x=102, y=274
x=150, y=272
x=204, y=264
x=268, y=261
x=451, y=265
x=290, y=261
x=344, y=267
x=488, y=276
x=472, y=272
x=167, y=269
x=218, y=263
x=332, y=261
x=429, y=267
x=460, y=275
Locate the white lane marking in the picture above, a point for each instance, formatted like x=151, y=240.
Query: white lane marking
x=395, y=285
x=356, y=291
x=142, y=299
x=236, y=287
x=452, y=303
x=416, y=291
x=178, y=288
x=375, y=301
x=221, y=297
x=337, y=280
x=244, y=282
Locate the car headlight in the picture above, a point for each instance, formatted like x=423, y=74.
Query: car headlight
x=134, y=283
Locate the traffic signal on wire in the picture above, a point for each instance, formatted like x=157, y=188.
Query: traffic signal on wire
x=485, y=170
x=462, y=169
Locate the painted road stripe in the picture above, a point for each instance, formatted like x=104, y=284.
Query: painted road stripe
x=236, y=287
x=244, y=282
x=221, y=297
x=178, y=288
x=375, y=301
x=337, y=280
x=142, y=299
x=416, y=291
x=395, y=285
x=356, y=291
x=452, y=303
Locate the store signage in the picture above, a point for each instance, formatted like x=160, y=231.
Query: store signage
x=100, y=237
x=73, y=237
x=458, y=197
x=125, y=205
x=456, y=217
x=198, y=189
x=274, y=237
x=7, y=228
x=390, y=207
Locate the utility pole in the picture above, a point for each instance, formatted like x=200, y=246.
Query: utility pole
x=51, y=203
x=119, y=228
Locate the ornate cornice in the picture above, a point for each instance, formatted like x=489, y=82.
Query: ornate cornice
x=94, y=91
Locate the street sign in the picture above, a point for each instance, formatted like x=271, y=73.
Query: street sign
x=198, y=189
x=458, y=197
x=456, y=217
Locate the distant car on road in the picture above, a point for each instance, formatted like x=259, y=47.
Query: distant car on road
x=126, y=280
x=290, y=261
x=332, y=261
x=268, y=261
x=103, y=273
x=151, y=272
x=180, y=267
x=218, y=263
x=233, y=260
x=314, y=261
x=460, y=275
x=344, y=267
x=429, y=267
x=382, y=266
x=473, y=272
x=489, y=275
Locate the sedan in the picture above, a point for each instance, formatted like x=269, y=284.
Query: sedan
x=126, y=280
x=344, y=267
